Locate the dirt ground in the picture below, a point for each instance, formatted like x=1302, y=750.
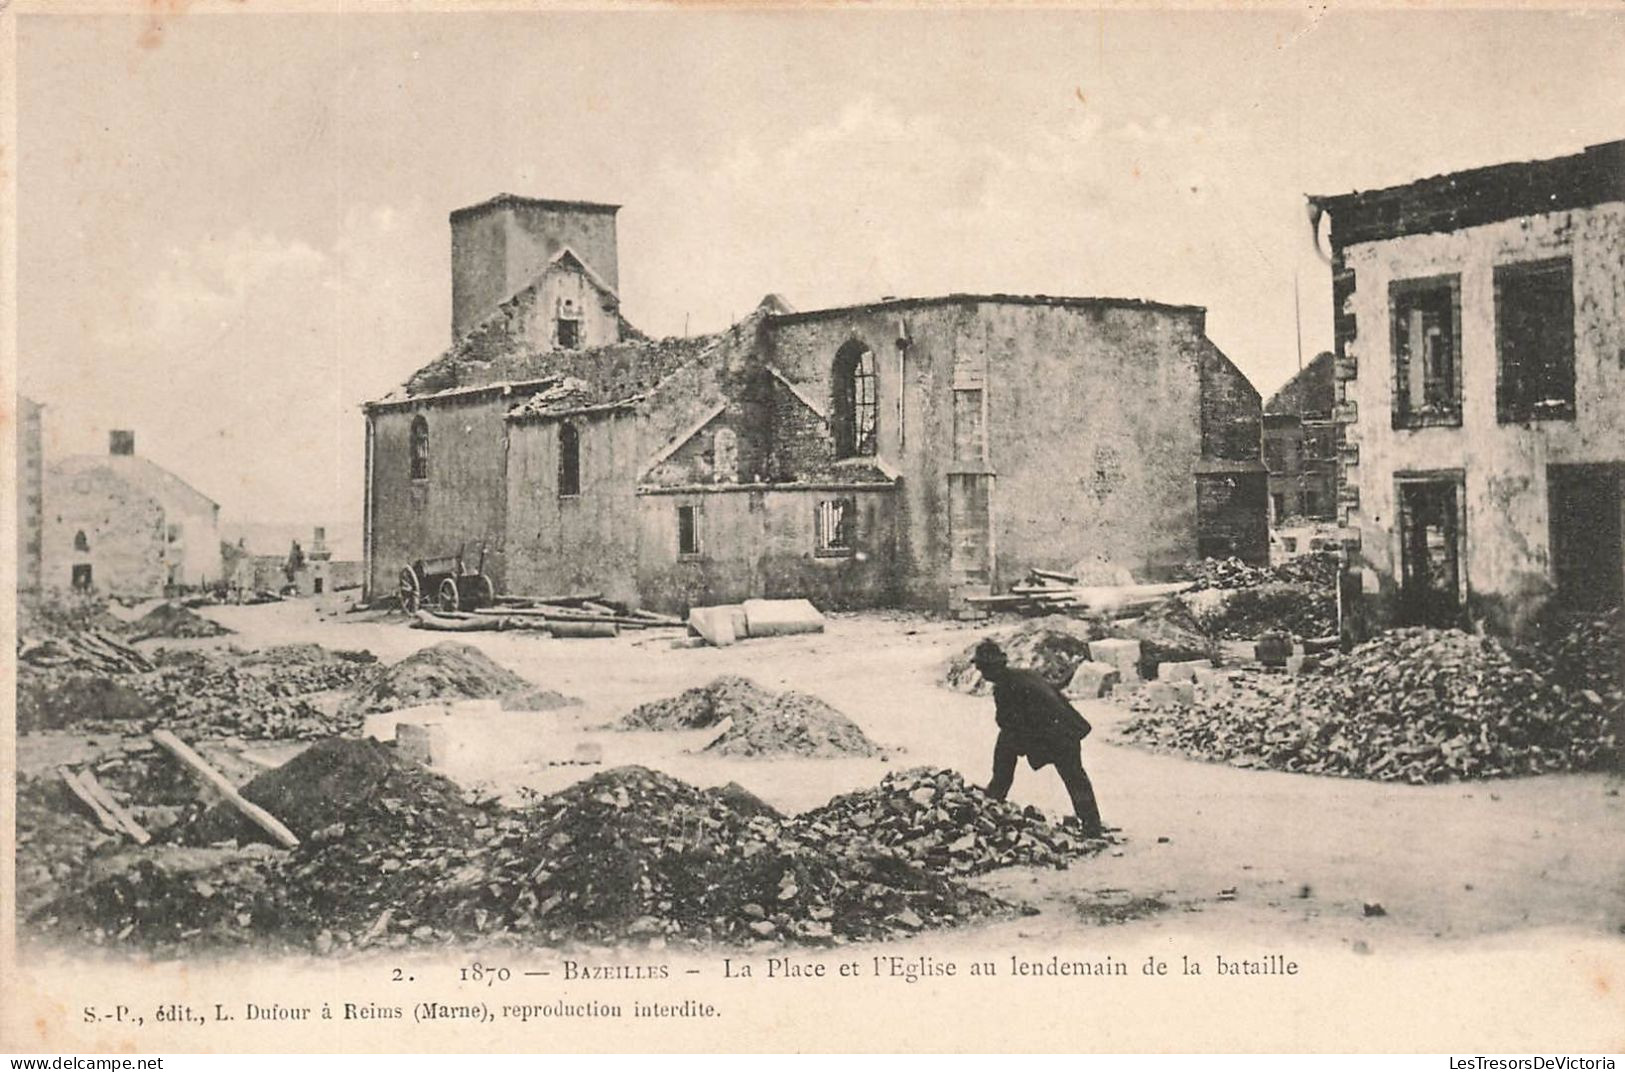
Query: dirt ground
x=1209, y=849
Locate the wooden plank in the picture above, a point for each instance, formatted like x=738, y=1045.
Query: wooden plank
x=222, y=785
x=88, y=799
x=1051, y=575
x=124, y=819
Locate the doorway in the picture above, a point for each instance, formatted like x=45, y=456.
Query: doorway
x=81, y=577
x=1430, y=540
x=1587, y=548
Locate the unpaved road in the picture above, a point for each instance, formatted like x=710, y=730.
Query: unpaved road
x=1303, y=855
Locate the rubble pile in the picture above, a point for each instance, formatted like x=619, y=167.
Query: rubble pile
x=1053, y=646
x=935, y=820
x=635, y=853
x=1411, y=705
x=451, y=671
x=1300, y=609
x=1318, y=570
x=760, y=722
x=1167, y=632
x=55, y=841
x=90, y=651
x=175, y=622
x=256, y=695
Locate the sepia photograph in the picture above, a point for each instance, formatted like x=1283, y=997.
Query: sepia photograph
x=809, y=528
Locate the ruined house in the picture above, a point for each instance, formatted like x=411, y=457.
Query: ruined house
x=1300, y=446
x=908, y=451
x=30, y=488
x=120, y=525
x=1481, y=377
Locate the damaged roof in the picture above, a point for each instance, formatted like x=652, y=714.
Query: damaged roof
x=994, y=299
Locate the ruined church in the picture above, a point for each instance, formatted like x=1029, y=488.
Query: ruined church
x=907, y=452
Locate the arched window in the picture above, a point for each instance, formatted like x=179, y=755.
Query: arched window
x=856, y=409
x=569, y=460
x=81, y=542
x=725, y=456
x=420, y=448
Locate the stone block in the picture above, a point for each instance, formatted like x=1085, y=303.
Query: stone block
x=1123, y=654
x=1211, y=677
x=1182, y=671
x=1092, y=680
x=715, y=624
x=781, y=617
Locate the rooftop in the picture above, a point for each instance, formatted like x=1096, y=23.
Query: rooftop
x=1477, y=196
x=997, y=299
x=514, y=200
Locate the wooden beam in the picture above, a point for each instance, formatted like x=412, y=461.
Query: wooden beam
x=222, y=785
x=124, y=819
x=88, y=799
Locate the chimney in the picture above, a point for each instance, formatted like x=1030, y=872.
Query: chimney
x=498, y=247
x=121, y=441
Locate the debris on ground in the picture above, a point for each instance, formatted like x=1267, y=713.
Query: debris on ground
x=634, y=853
x=935, y=820
x=451, y=671
x=175, y=622
x=91, y=651
x=762, y=722
x=1583, y=654
x=1053, y=646
x=268, y=694
x=1413, y=705
x=55, y=841
x=1318, y=569
x=1274, y=606
x=1168, y=633
x=393, y=855
x=1053, y=592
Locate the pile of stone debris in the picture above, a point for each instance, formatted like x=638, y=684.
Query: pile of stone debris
x=392, y=855
x=1411, y=705
x=933, y=819
x=759, y=722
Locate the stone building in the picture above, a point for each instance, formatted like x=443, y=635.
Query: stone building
x=909, y=451
x=120, y=525
x=1300, y=446
x=30, y=494
x=1481, y=372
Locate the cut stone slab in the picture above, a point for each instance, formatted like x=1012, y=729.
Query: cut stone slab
x=1092, y=680
x=781, y=617
x=1182, y=671
x=1170, y=693
x=715, y=624
x=1123, y=654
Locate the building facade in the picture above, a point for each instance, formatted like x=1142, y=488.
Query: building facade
x=1481, y=372
x=1300, y=447
x=30, y=495
x=119, y=525
x=909, y=451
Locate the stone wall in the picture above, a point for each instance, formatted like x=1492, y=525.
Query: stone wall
x=124, y=531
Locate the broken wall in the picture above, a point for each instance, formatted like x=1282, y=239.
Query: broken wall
x=761, y=542
x=1507, y=540
x=461, y=501
x=124, y=530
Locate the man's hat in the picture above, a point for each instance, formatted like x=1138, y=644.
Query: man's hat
x=988, y=653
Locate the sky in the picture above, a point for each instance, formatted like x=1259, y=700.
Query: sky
x=232, y=228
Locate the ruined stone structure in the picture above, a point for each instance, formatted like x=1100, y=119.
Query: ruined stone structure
x=30, y=494
x=909, y=451
x=1300, y=445
x=1481, y=378
x=120, y=525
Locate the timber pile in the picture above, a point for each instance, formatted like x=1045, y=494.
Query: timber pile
x=1052, y=592
x=760, y=722
x=90, y=651
x=582, y=615
x=633, y=853
x=1411, y=705
x=934, y=820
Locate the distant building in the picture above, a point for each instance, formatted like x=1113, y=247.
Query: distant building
x=1300, y=447
x=911, y=451
x=30, y=495
x=300, y=571
x=1481, y=369
x=120, y=525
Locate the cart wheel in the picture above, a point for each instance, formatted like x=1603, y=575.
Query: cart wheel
x=448, y=594
x=486, y=590
x=411, y=592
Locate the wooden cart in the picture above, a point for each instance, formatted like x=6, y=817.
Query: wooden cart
x=448, y=582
